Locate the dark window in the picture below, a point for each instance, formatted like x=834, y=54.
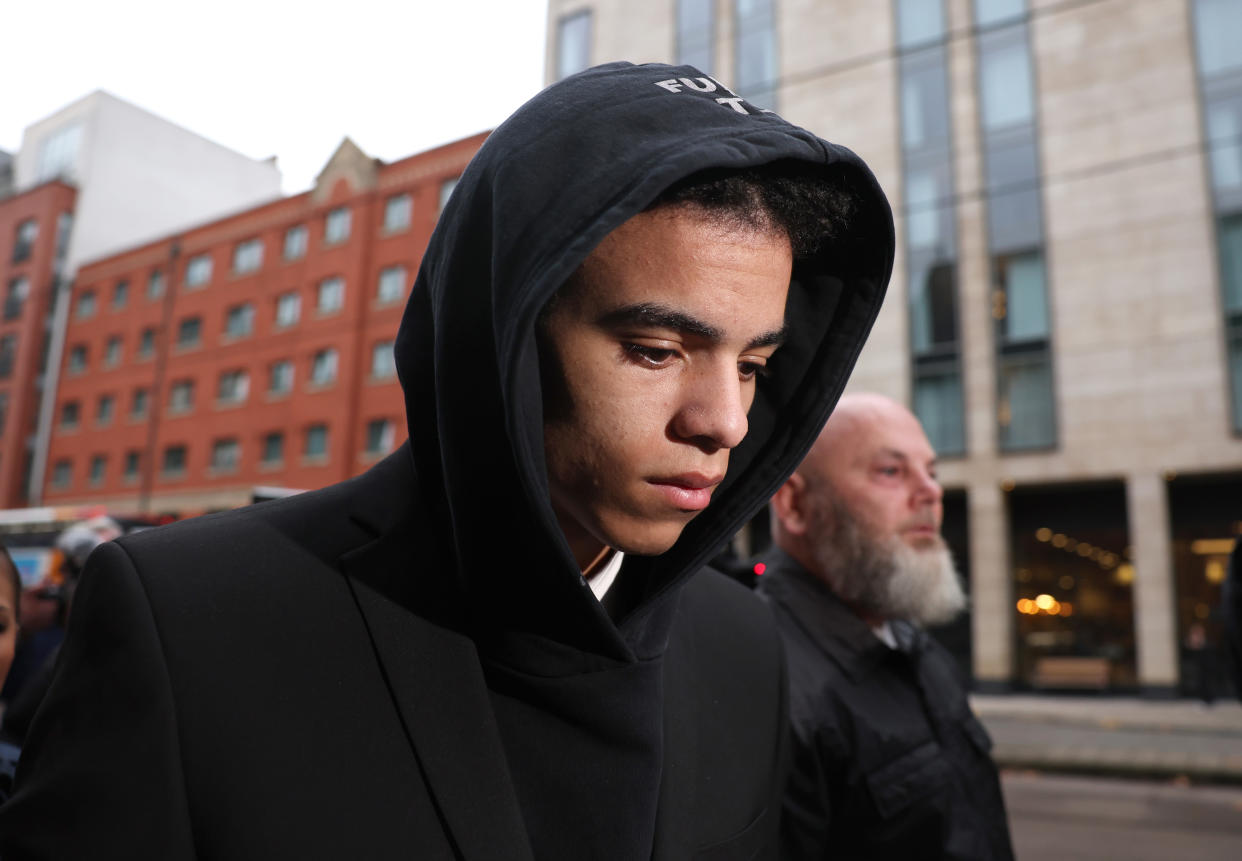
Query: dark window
x=174, y=460
x=181, y=396
x=138, y=405
x=379, y=436
x=4, y=410
x=155, y=284
x=105, y=409
x=324, y=367
x=62, y=474
x=70, y=414
x=120, y=295
x=24, y=240
x=273, y=448
x=316, y=442
x=86, y=304
x=240, y=321
x=573, y=43
x=132, y=460
x=77, y=359
x=8, y=353
x=15, y=298
x=112, y=351
x=146, y=343
x=189, y=332
x=225, y=455
x=234, y=387
x=99, y=464
x=280, y=377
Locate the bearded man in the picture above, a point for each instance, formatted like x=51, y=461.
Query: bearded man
x=888, y=760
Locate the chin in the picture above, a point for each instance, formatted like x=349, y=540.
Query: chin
x=646, y=539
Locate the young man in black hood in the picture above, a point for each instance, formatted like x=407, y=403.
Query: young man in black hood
x=639, y=306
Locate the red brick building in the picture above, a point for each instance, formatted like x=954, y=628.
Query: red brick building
x=254, y=350
x=34, y=226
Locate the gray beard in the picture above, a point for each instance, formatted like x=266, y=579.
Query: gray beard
x=887, y=578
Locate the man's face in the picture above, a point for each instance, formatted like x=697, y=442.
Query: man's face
x=875, y=521
x=650, y=357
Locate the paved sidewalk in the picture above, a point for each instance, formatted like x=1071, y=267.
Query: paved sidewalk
x=1122, y=736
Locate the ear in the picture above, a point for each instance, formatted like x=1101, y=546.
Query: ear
x=789, y=505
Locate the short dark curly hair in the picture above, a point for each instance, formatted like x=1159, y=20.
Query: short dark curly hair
x=783, y=195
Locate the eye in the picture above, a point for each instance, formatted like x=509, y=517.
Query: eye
x=650, y=357
x=748, y=370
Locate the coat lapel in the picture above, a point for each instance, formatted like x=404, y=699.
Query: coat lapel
x=438, y=688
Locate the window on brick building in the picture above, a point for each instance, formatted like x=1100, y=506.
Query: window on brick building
x=181, y=396
x=233, y=388
x=315, y=443
x=324, y=367
x=70, y=415
x=99, y=465
x=189, y=332
x=155, y=284
x=336, y=226
x=225, y=455
x=120, y=295
x=24, y=240
x=273, y=448
x=331, y=295
x=397, y=210
x=76, y=363
x=247, y=256
x=288, y=309
x=383, y=363
x=105, y=409
x=280, y=377
x=446, y=191
x=62, y=474
x=146, y=343
x=86, y=304
x=175, y=458
x=138, y=403
x=4, y=410
x=239, y=322
x=112, y=351
x=380, y=434
x=573, y=43
x=295, y=242
x=198, y=271
x=391, y=285
x=15, y=298
x=130, y=471
x=8, y=353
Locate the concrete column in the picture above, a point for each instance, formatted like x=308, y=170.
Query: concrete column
x=1155, y=609
x=992, y=610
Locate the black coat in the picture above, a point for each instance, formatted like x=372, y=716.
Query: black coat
x=411, y=664
x=249, y=686
x=887, y=760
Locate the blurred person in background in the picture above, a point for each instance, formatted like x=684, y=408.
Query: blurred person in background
x=887, y=759
x=74, y=544
x=10, y=623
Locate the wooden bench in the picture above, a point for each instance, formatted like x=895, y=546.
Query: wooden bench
x=1071, y=672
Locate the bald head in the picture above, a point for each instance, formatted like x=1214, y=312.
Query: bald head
x=857, y=424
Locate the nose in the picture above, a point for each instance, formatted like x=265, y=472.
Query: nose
x=927, y=490
x=712, y=412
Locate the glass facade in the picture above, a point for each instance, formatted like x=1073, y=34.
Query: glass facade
x=696, y=34
x=1073, y=587
x=929, y=215
x=756, y=68
x=1206, y=521
x=1026, y=405
x=1217, y=25
x=573, y=43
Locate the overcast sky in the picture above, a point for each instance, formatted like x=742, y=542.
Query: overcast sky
x=271, y=77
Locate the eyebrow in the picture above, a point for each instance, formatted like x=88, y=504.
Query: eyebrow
x=658, y=316
x=892, y=452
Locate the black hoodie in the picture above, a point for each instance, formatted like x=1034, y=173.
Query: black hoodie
x=571, y=165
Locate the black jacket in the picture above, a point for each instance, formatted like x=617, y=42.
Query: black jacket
x=887, y=760
x=409, y=664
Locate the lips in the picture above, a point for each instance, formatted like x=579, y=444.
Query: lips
x=690, y=491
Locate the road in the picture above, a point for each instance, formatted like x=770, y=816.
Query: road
x=1087, y=818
